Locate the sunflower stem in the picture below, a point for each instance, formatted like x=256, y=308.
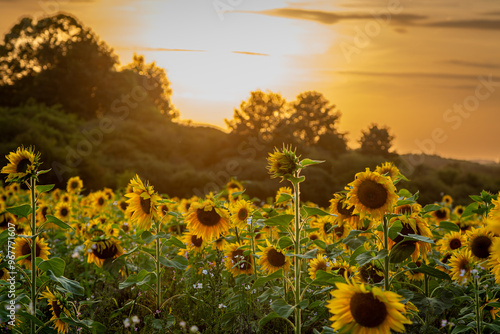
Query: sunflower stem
x=296, y=259
x=426, y=285
x=158, y=273
x=477, y=306
x=387, y=283
x=33, y=253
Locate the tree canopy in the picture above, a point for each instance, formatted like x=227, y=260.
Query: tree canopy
x=376, y=141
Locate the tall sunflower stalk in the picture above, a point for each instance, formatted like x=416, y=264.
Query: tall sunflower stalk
x=286, y=165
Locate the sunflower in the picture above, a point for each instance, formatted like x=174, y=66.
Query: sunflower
x=99, y=251
x=4, y=274
x=240, y=210
x=319, y=263
x=206, y=220
x=339, y=207
x=99, y=200
x=193, y=242
x=236, y=261
x=22, y=164
x=74, y=185
x=314, y=236
x=283, y=163
x=370, y=273
x=42, y=211
x=388, y=169
x=23, y=247
x=57, y=308
x=412, y=225
x=447, y=200
x=63, y=211
x=341, y=230
x=219, y=243
x=479, y=242
x=461, y=263
x=408, y=209
x=142, y=204
x=458, y=210
x=441, y=214
x=283, y=191
x=5, y=219
x=109, y=193
x=271, y=259
x=360, y=309
x=325, y=226
x=414, y=275
x=450, y=242
x=343, y=269
x=122, y=205
x=371, y=193
x=232, y=187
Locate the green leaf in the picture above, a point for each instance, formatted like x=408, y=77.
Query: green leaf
x=140, y=278
x=353, y=240
x=361, y=249
x=57, y=221
x=261, y=281
x=308, y=162
x=69, y=285
x=417, y=237
x=3, y=237
x=494, y=327
x=88, y=325
x=282, y=308
x=395, y=228
x=460, y=329
x=401, y=252
x=20, y=211
x=55, y=264
x=284, y=197
x=404, y=193
x=312, y=211
x=326, y=279
x=320, y=243
x=281, y=220
x=366, y=257
x=309, y=255
x=285, y=242
x=470, y=210
x=173, y=241
x=449, y=226
x=44, y=188
x=493, y=304
x=148, y=237
x=476, y=198
x=267, y=318
x=430, y=207
x=432, y=272
x=178, y=262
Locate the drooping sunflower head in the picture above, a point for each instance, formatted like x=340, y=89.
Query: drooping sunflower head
x=241, y=210
x=451, y=242
x=58, y=309
x=283, y=163
x=74, y=185
x=23, y=164
x=360, y=308
x=320, y=262
x=142, y=204
x=479, y=242
x=207, y=220
x=461, y=263
x=389, y=169
x=408, y=209
x=371, y=194
x=99, y=250
x=23, y=248
x=238, y=259
x=272, y=259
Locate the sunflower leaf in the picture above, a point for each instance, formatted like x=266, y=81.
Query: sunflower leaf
x=324, y=278
x=148, y=237
x=44, y=188
x=87, y=324
x=429, y=208
x=352, y=260
x=447, y=225
x=3, y=237
x=20, y=211
x=140, y=278
x=320, y=243
x=173, y=241
x=285, y=242
x=55, y=264
x=470, y=210
x=308, y=255
x=263, y=280
x=267, y=318
x=308, y=162
x=395, y=228
x=432, y=272
x=401, y=252
x=178, y=262
x=312, y=211
x=284, y=197
x=57, y=221
x=281, y=308
x=417, y=237
x=281, y=221
x=69, y=285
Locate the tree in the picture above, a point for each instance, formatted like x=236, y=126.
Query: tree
x=156, y=81
x=56, y=60
x=259, y=116
x=376, y=141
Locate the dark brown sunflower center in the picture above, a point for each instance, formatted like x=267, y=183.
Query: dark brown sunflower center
x=242, y=214
x=313, y=237
x=339, y=231
x=407, y=229
x=372, y=194
x=321, y=266
x=100, y=201
x=196, y=241
x=164, y=209
x=327, y=227
x=455, y=244
x=440, y=214
x=26, y=250
x=44, y=211
x=145, y=205
x=446, y=258
x=22, y=166
x=123, y=205
x=2, y=272
x=64, y=212
x=242, y=260
x=258, y=235
x=343, y=210
x=56, y=308
x=369, y=273
x=275, y=258
x=460, y=211
x=105, y=252
x=74, y=185
x=463, y=264
x=208, y=218
x=367, y=310
x=404, y=209
x=125, y=227
x=480, y=246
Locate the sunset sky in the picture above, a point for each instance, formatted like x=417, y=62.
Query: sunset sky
x=427, y=69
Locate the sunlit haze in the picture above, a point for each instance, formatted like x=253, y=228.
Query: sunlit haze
x=429, y=70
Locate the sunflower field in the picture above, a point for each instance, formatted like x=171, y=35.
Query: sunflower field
x=133, y=260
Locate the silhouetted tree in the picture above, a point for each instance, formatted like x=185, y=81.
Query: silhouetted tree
x=376, y=141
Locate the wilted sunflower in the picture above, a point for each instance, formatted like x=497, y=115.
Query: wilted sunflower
x=389, y=169
x=319, y=263
x=74, y=185
x=461, y=263
x=240, y=210
x=207, y=220
x=22, y=164
x=57, y=308
x=99, y=251
x=282, y=163
x=479, y=242
x=272, y=259
x=450, y=242
x=371, y=194
x=23, y=247
x=193, y=242
x=362, y=309
x=142, y=204
x=236, y=261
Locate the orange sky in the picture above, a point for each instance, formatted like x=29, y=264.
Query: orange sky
x=428, y=69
